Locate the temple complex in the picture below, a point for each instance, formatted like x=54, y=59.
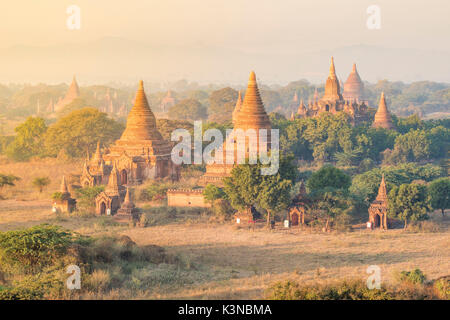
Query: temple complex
x=250, y=115
x=333, y=101
x=140, y=154
x=383, y=118
x=72, y=94
x=378, y=208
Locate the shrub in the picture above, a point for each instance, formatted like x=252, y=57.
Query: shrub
x=33, y=247
x=154, y=192
x=414, y=277
x=20, y=294
x=86, y=196
x=442, y=286
x=344, y=290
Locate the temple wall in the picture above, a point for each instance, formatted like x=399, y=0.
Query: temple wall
x=186, y=198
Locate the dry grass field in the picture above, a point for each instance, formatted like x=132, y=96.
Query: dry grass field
x=225, y=262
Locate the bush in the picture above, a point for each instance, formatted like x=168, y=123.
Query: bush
x=344, y=290
x=442, y=286
x=414, y=277
x=19, y=294
x=34, y=247
x=86, y=197
x=154, y=192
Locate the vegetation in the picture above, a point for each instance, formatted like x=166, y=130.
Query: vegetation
x=41, y=182
x=439, y=191
x=188, y=109
x=409, y=202
x=29, y=140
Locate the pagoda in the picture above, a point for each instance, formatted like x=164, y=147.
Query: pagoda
x=65, y=203
x=108, y=201
x=353, y=87
x=383, y=118
x=379, y=207
x=251, y=115
x=141, y=153
x=72, y=94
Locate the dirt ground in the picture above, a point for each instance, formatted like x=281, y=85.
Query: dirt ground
x=227, y=262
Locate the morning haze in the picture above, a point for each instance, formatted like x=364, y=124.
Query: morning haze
x=220, y=41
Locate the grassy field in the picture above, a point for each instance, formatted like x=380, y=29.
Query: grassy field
x=222, y=261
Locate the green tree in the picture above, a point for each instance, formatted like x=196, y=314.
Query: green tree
x=80, y=130
x=247, y=187
x=328, y=177
x=221, y=104
x=28, y=141
x=7, y=180
x=212, y=192
x=439, y=191
x=409, y=202
x=188, y=109
x=41, y=182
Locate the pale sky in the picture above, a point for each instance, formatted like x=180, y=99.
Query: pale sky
x=246, y=24
x=252, y=27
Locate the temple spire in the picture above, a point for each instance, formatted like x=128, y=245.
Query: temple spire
x=252, y=113
x=382, y=116
x=332, y=87
x=237, y=108
x=63, y=189
x=141, y=122
x=382, y=193
x=113, y=182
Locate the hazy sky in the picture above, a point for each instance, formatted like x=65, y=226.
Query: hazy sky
x=284, y=25
x=252, y=27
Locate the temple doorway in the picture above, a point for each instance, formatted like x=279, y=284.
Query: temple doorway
x=123, y=177
x=102, y=208
x=294, y=219
x=377, y=221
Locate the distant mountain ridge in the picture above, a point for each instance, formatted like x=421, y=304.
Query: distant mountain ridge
x=119, y=59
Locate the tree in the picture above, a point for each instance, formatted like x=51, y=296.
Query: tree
x=212, y=192
x=221, y=104
x=247, y=187
x=439, y=191
x=188, y=109
x=29, y=140
x=7, y=180
x=328, y=177
x=80, y=131
x=329, y=203
x=41, y=182
x=409, y=202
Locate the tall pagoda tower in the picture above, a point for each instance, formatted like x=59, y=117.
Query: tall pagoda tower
x=353, y=87
x=141, y=153
x=72, y=94
x=251, y=115
x=332, y=87
x=383, y=118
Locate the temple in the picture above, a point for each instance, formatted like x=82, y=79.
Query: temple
x=333, y=101
x=108, y=201
x=378, y=208
x=72, y=94
x=297, y=209
x=140, y=154
x=128, y=211
x=354, y=87
x=383, y=118
x=250, y=115
x=65, y=203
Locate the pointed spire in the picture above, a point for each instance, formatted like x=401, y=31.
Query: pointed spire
x=63, y=189
x=292, y=116
x=252, y=113
x=382, y=193
x=295, y=99
x=332, y=69
x=113, y=182
x=332, y=87
x=301, y=108
x=97, y=157
x=127, y=196
x=353, y=87
x=316, y=95
x=237, y=108
x=382, y=116
x=141, y=122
